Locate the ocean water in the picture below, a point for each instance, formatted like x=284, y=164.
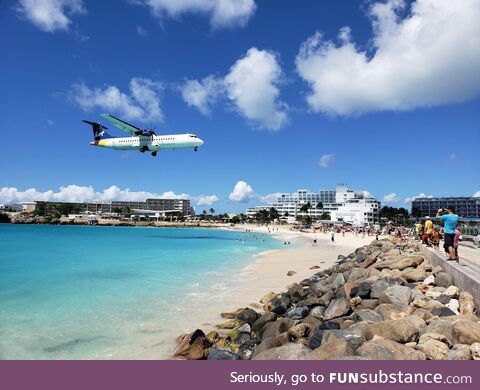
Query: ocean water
x=86, y=292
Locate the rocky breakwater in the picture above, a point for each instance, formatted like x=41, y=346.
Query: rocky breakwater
x=380, y=303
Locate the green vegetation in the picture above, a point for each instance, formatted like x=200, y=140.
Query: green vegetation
x=397, y=215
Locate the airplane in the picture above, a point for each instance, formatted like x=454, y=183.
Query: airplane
x=141, y=140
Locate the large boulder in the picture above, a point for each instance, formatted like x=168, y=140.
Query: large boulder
x=288, y=351
x=396, y=295
x=263, y=320
x=442, y=279
x=356, y=274
x=353, y=336
x=381, y=349
x=459, y=352
x=399, y=262
x=367, y=315
x=466, y=303
x=297, y=313
x=414, y=274
x=318, y=312
x=247, y=315
x=433, y=345
x=380, y=285
x=280, y=305
x=466, y=332
x=199, y=349
x=333, y=350
x=337, y=308
x=316, y=335
x=221, y=354
x=273, y=329
x=441, y=327
x=271, y=342
x=402, y=330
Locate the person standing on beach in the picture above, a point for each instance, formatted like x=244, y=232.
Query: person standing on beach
x=450, y=221
x=333, y=237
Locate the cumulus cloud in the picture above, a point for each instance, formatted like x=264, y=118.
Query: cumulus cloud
x=476, y=194
x=50, y=15
x=202, y=94
x=205, y=200
x=222, y=13
x=242, y=192
x=390, y=198
x=270, y=198
x=420, y=195
x=429, y=57
x=76, y=193
x=142, y=103
x=325, y=160
x=251, y=85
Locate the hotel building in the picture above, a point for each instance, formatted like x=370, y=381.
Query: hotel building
x=342, y=204
x=465, y=207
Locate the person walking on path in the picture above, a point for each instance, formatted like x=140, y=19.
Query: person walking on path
x=428, y=231
x=450, y=221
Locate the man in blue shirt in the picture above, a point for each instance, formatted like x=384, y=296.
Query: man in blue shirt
x=450, y=221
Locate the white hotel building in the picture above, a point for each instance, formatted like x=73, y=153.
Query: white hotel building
x=342, y=204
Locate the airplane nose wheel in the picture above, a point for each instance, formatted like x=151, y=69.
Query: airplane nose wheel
x=154, y=154
x=195, y=148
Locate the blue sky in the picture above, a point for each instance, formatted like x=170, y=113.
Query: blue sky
x=383, y=96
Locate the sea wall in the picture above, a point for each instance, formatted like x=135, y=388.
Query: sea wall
x=381, y=302
x=461, y=276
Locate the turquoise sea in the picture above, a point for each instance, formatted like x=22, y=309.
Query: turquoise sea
x=86, y=292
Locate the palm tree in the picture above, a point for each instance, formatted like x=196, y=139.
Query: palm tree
x=304, y=209
x=212, y=211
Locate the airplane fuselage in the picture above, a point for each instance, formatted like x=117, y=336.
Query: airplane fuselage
x=150, y=143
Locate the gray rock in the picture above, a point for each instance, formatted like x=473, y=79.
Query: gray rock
x=400, y=262
x=298, y=313
x=244, y=328
x=367, y=315
x=263, y=320
x=396, y=295
x=273, y=329
x=442, y=311
x=221, y=354
x=299, y=330
x=318, y=312
x=442, y=279
x=368, y=304
x=379, y=286
x=356, y=274
x=337, y=308
x=459, y=352
x=333, y=350
x=442, y=327
x=433, y=349
x=475, y=351
x=339, y=281
x=316, y=335
x=382, y=349
x=288, y=351
x=354, y=336
x=280, y=305
x=248, y=316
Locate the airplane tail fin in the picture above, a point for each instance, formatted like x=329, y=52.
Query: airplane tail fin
x=98, y=130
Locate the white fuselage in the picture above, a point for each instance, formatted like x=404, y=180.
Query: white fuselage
x=152, y=143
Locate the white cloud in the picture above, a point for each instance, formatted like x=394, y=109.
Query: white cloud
x=427, y=58
x=143, y=102
x=390, y=198
x=202, y=94
x=222, y=13
x=205, y=200
x=252, y=85
x=270, y=198
x=476, y=194
x=420, y=195
x=50, y=15
x=367, y=194
x=325, y=160
x=141, y=31
x=75, y=193
x=242, y=192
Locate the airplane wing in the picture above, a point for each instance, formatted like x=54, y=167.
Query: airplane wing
x=127, y=127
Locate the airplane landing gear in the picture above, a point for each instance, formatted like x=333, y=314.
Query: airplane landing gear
x=143, y=149
x=195, y=148
x=154, y=154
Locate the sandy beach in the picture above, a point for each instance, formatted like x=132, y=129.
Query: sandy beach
x=266, y=273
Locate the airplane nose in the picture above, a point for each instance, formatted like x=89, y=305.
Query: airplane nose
x=200, y=142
